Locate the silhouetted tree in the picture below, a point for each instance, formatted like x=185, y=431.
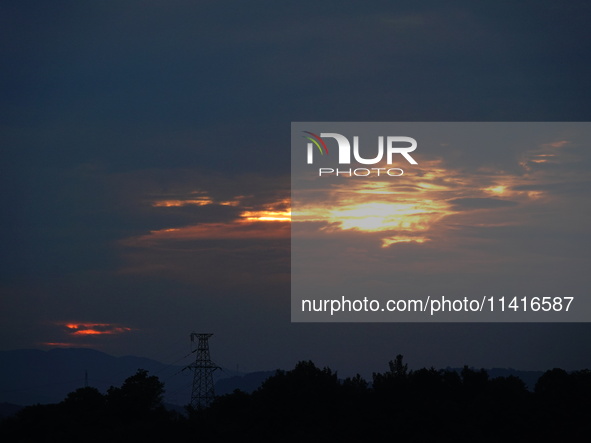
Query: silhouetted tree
x=394, y=379
x=508, y=389
x=139, y=395
x=554, y=384
x=474, y=382
x=84, y=400
x=398, y=369
x=305, y=399
x=355, y=385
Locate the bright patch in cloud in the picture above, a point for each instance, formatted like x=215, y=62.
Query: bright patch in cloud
x=282, y=216
x=176, y=203
x=194, y=198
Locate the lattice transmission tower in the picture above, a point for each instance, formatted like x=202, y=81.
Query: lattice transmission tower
x=203, y=390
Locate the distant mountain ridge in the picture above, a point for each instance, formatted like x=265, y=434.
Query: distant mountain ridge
x=30, y=376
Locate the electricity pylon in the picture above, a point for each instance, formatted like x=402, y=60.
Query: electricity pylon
x=203, y=390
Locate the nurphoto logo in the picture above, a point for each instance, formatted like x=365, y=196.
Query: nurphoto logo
x=394, y=145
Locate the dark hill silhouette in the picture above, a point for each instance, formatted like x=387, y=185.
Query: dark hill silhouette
x=310, y=403
x=246, y=383
x=30, y=376
x=8, y=409
x=529, y=377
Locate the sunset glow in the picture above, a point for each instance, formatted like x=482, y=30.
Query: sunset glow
x=405, y=210
x=419, y=209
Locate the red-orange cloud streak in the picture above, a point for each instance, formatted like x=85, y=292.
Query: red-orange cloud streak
x=94, y=329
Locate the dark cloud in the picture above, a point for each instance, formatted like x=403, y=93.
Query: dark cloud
x=557, y=188
x=110, y=106
x=467, y=204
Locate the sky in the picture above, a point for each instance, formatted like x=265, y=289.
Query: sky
x=145, y=170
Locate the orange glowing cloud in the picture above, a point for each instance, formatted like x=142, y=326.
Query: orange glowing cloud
x=194, y=198
x=64, y=345
x=186, y=252
x=259, y=229
x=270, y=221
x=78, y=329
x=279, y=211
x=281, y=216
x=176, y=203
x=547, y=153
x=413, y=207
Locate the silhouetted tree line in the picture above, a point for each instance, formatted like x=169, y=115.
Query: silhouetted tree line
x=312, y=404
x=133, y=412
